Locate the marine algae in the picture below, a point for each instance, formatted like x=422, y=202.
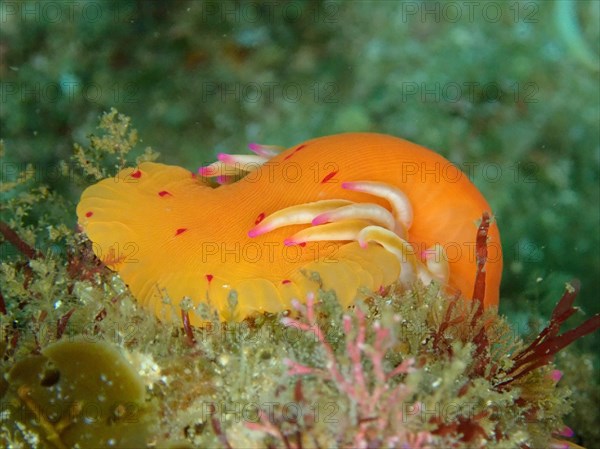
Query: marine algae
x=79, y=393
x=65, y=319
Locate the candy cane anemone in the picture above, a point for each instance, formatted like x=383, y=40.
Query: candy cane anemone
x=351, y=213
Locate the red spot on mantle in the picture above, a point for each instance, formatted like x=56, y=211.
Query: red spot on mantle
x=180, y=231
x=164, y=193
x=260, y=218
x=136, y=174
x=293, y=152
x=286, y=281
x=302, y=244
x=209, y=277
x=89, y=214
x=328, y=177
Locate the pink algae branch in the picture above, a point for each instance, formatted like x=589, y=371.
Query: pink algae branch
x=373, y=398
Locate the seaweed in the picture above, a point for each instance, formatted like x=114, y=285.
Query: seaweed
x=418, y=367
x=79, y=393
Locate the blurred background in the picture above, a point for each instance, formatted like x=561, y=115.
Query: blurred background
x=509, y=91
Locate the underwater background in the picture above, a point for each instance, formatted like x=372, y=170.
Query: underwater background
x=508, y=91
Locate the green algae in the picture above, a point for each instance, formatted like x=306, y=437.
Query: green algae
x=79, y=393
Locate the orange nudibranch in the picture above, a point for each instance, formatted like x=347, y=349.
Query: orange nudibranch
x=351, y=213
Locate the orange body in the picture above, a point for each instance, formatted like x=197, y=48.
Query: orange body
x=171, y=235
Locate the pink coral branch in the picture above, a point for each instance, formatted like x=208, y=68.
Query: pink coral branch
x=354, y=348
x=313, y=328
x=404, y=368
x=376, y=402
